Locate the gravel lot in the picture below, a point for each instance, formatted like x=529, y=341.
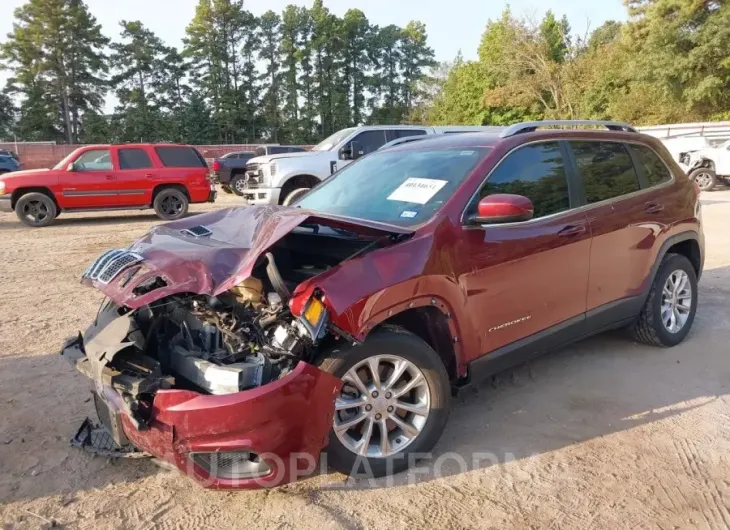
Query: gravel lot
x=604, y=434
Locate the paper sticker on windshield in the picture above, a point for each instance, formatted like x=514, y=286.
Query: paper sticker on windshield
x=408, y=214
x=466, y=153
x=419, y=191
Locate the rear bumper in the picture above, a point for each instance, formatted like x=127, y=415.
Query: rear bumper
x=285, y=423
x=262, y=195
x=5, y=203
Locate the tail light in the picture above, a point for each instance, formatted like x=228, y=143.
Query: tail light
x=216, y=165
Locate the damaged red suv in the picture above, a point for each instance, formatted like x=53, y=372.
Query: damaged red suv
x=237, y=344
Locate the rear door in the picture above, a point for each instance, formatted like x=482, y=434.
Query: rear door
x=92, y=182
x=621, y=220
x=136, y=176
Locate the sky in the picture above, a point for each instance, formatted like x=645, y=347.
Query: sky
x=452, y=25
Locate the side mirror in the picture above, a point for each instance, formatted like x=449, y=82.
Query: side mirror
x=70, y=167
x=503, y=208
x=351, y=151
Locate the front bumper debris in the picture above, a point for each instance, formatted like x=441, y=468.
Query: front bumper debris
x=96, y=439
x=280, y=427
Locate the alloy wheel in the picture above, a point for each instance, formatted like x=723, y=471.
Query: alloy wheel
x=240, y=185
x=171, y=205
x=383, y=406
x=676, y=301
x=703, y=180
x=35, y=211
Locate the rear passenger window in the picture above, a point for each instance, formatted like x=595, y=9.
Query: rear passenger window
x=655, y=170
x=536, y=172
x=179, y=156
x=606, y=170
x=134, y=159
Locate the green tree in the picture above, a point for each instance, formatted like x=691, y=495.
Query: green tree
x=356, y=62
x=7, y=116
x=56, y=54
x=416, y=57
x=271, y=78
x=387, y=105
x=137, y=60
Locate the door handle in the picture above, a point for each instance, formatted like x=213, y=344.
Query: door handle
x=148, y=175
x=572, y=230
x=653, y=207
x=111, y=177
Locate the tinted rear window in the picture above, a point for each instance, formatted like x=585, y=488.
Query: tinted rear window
x=134, y=159
x=179, y=156
x=656, y=171
x=606, y=170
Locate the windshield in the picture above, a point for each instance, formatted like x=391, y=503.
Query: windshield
x=398, y=187
x=63, y=164
x=330, y=142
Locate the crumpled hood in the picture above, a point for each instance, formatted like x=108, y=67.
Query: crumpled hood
x=213, y=264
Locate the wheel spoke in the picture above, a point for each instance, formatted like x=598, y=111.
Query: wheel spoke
x=342, y=427
x=408, y=429
x=366, y=435
x=417, y=380
x=374, y=367
x=354, y=379
x=399, y=368
x=683, y=307
x=345, y=404
x=666, y=292
x=384, y=441
x=417, y=408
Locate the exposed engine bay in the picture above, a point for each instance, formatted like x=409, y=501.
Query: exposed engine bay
x=241, y=339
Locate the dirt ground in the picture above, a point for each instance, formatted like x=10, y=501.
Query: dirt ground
x=604, y=434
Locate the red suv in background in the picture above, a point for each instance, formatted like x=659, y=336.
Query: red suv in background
x=239, y=340
x=165, y=177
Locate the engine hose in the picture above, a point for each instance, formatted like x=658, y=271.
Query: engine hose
x=275, y=278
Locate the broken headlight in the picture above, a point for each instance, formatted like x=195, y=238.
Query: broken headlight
x=314, y=318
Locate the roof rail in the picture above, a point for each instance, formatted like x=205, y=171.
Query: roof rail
x=531, y=126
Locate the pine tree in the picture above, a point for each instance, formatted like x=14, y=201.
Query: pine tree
x=55, y=53
x=271, y=78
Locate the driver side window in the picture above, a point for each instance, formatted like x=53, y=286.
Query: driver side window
x=535, y=171
x=369, y=141
x=94, y=160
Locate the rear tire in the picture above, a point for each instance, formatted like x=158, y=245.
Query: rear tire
x=36, y=209
x=238, y=183
x=294, y=195
x=655, y=322
x=705, y=178
x=387, y=345
x=171, y=204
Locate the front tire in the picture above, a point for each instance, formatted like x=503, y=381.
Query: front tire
x=171, y=204
x=294, y=195
x=380, y=421
x=705, y=178
x=36, y=210
x=670, y=308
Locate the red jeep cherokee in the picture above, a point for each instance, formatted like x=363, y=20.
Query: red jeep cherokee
x=237, y=344
x=165, y=177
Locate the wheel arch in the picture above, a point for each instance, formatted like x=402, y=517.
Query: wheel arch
x=430, y=319
x=304, y=180
x=160, y=187
x=686, y=244
x=18, y=193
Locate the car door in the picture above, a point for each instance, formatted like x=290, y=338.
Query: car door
x=90, y=181
x=624, y=222
x=523, y=278
x=136, y=176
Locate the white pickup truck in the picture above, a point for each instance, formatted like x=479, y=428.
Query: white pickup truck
x=280, y=179
x=707, y=165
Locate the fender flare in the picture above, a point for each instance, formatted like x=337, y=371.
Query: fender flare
x=423, y=301
x=689, y=235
